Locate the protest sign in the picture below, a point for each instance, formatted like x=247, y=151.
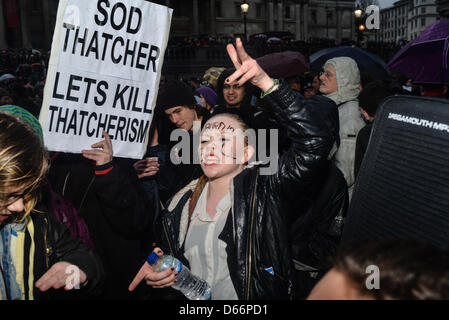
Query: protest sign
x=104, y=72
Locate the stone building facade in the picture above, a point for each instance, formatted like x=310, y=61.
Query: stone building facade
x=30, y=23
x=303, y=18
x=406, y=19
x=27, y=23
x=443, y=8
x=422, y=13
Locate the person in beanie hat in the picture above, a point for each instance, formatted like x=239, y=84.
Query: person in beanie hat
x=178, y=103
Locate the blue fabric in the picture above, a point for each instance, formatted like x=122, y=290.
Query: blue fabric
x=8, y=284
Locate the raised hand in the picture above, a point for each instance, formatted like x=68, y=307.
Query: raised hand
x=102, y=152
x=247, y=69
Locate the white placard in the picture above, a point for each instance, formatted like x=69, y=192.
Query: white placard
x=104, y=72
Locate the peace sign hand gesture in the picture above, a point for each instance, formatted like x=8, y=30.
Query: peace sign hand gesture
x=247, y=68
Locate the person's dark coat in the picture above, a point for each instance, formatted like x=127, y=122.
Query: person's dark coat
x=316, y=231
x=257, y=230
x=53, y=243
x=116, y=211
x=361, y=146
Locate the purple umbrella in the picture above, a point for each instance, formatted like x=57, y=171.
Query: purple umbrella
x=284, y=64
x=425, y=59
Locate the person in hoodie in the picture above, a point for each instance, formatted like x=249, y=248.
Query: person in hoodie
x=340, y=82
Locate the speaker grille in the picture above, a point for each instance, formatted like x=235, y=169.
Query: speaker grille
x=402, y=190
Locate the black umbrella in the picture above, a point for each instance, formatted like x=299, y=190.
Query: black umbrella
x=284, y=64
x=366, y=61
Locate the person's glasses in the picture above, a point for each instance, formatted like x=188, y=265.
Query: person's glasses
x=327, y=74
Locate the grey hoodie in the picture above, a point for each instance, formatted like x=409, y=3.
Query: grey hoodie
x=348, y=81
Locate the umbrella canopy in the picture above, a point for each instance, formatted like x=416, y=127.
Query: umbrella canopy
x=425, y=59
x=260, y=35
x=6, y=76
x=274, y=39
x=366, y=61
x=284, y=64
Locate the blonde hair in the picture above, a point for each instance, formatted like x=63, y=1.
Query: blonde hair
x=23, y=160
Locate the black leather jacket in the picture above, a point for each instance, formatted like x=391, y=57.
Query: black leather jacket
x=257, y=230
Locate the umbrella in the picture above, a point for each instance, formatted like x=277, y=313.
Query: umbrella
x=260, y=35
x=426, y=59
x=273, y=39
x=284, y=64
x=366, y=61
x=6, y=76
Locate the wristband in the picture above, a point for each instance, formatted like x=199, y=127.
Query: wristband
x=264, y=94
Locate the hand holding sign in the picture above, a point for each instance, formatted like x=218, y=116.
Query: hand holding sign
x=247, y=68
x=103, y=151
x=161, y=279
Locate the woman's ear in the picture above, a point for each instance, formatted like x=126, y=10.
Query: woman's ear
x=248, y=153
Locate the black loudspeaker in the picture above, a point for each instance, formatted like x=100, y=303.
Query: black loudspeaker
x=402, y=190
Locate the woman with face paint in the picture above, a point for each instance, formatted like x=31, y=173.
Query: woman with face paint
x=228, y=226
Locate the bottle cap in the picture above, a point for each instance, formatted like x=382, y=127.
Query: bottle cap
x=152, y=258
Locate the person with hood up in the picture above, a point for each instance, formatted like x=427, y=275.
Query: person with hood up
x=340, y=82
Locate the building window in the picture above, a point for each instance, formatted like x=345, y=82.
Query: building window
x=237, y=9
x=423, y=22
x=35, y=7
x=287, y=12
x=423, y=1
x=423, y=10
x=258, y=10
x=313, y=13
x=218, y=9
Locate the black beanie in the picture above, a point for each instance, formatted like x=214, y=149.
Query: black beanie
x=174, y=93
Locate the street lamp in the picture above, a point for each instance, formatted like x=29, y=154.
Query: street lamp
x=360, y=27
x=358, y=12
x=244, y=6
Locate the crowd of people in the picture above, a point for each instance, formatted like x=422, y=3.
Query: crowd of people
x=250, y=235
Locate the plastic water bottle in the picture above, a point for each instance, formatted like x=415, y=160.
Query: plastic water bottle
x=193, y=287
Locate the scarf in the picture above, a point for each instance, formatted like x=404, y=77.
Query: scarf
x=12, y=239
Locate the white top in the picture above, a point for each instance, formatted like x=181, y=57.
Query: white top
x=205, y=252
